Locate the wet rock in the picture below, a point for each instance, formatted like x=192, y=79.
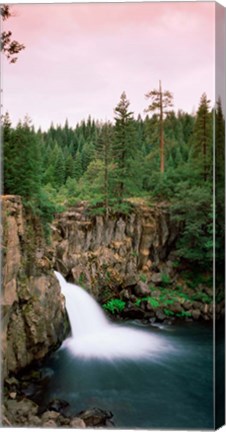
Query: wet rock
x=58, y=405
x=160, y=315
x=95, y=417
x=34, y=421
x=141, y=289
x=64, y=421
x=156, y=278
x=28, y=389
x=12, y=381
x=205, y=309
x=22, y=409
x=133, y=313
x=209, y=291
x=50, y=424
x=50, y=415
x=77, y=423
x=196, y=314
x=176, y=307
x=187, y=305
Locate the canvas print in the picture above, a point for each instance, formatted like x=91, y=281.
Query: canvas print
x=112, y=215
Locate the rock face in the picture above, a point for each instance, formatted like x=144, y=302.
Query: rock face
x=33, y=312
x=99, y=253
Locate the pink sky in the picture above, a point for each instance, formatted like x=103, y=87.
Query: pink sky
x=79, y=58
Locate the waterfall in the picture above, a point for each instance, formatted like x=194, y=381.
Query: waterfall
x=94, y=336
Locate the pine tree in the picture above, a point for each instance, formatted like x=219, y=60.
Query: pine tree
x=124, y=150
x=160, y=101
x=69, y=167
x=220, y=187
x=103, y=150
x=22, y=161
x=202, y=139
x=78, y=166
x=59, y=169
x=87, y=154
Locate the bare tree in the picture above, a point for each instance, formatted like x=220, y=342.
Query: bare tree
x=160, y=102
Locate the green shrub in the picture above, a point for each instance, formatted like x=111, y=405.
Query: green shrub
x=165, y=278
x=183, y=314
x=114, y=305
x=203, y=297
x=168, y=312
x=153, y=302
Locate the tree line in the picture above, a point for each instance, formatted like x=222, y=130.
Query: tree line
x=165, y=156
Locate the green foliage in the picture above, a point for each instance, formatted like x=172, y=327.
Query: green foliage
x=183, y=314
x=153, y=302
x=168, y=312
x=22, y=161
x=114, y=305
x=165, y=279
x=193, y=209
x=143, y=277
x=110, y=164
x=203, y=297
x=126, y=158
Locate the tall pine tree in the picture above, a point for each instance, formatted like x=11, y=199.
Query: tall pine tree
x=124, y=150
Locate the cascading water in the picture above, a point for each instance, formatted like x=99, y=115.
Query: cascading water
x=94, y=336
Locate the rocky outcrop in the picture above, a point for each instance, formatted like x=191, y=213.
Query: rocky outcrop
x=33, y=311
x=25, y=413
x=100, y=252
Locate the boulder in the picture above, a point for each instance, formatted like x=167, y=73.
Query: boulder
x=160, y=315
x=77, y=423
x=95, y=417
x=49, y=424
x=34, y=421
x=58, y=405
x=156, y=278
x=141, y=289
x=196, y=314
x=50, y=415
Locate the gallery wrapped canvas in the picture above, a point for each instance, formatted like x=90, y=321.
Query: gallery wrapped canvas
x=113, y=215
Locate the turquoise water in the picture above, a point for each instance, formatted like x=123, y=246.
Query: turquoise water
x=171, y=389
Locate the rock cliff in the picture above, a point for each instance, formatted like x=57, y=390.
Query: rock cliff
x=33, y=311
x=96, y=252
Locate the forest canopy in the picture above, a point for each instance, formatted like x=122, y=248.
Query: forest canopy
x=111, y=164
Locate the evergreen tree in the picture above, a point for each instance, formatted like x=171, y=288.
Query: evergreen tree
x=220, y=187
x=69, y=167
x=160, y=102
x=202, y=139
x=59, y=169
x=104, y=152
x=78, y=166
x=124, y=150
x=22, y=169
x=87, y=154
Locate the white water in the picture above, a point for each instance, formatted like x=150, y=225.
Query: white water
x=94, y=336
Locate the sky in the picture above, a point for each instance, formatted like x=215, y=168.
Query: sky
x=79, y=58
